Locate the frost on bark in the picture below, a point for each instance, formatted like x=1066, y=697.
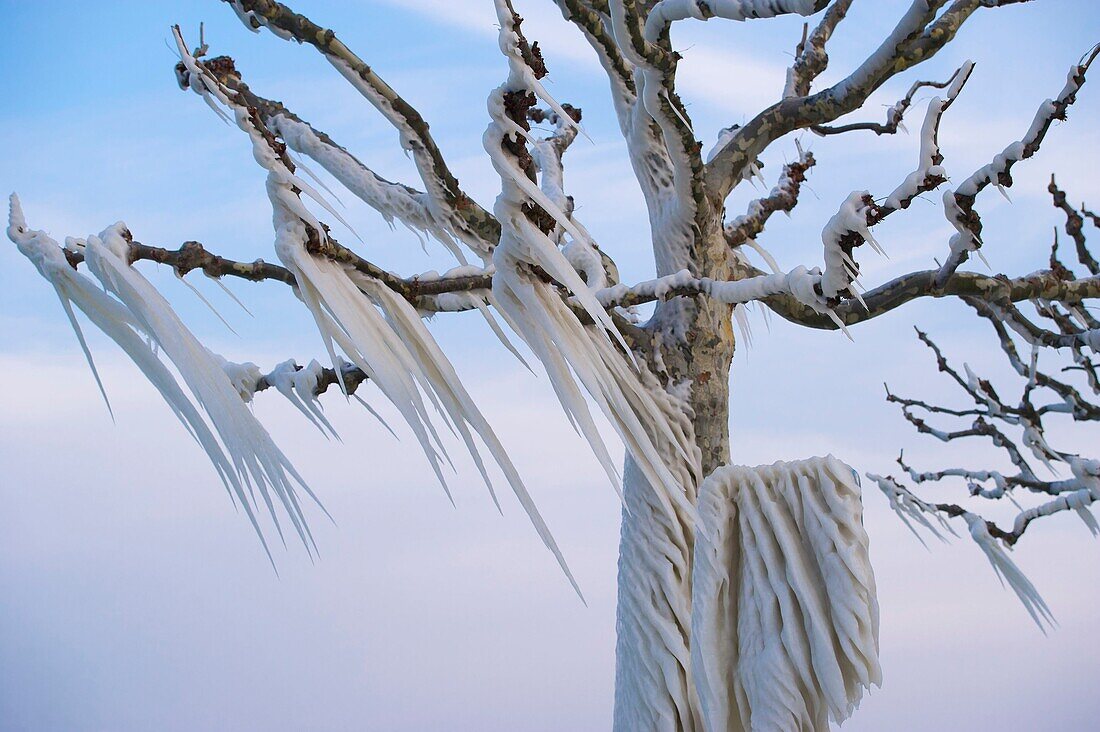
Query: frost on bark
x=746, y=597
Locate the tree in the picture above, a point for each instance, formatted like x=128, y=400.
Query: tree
x=686, y=655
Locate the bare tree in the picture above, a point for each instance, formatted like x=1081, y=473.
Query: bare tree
x=746, y=597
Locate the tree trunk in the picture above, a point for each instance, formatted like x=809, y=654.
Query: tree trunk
x=654, y=690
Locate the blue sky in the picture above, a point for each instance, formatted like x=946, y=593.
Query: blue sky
x=131, y=595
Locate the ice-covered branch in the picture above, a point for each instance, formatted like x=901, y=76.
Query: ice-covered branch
x=884, y=298
x=783, y=197
x=959, y=204
x=896, y=112
x=917, y=37
x=359, y=314
x=421, y=290
x=570, y=351
x=930, y=172
x=445, y=196
x=985, y=534
x=800, y=284
x=129, y=310
x=470, y=224
x=1021, y=436
x=658, y=103
x=666, y=12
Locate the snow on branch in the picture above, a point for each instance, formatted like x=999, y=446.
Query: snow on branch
x=906, y=288
x=659, y=104
x=801, y=284
x=430, y=291
x=986, y=535
x=783, y=197
x=666, y=12
x=784, y=604
x=896, y=112
x=959, y=204
x=930, y=172
x=570, y=351
x=1016, y=427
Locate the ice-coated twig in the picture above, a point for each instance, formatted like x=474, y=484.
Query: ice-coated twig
x=240, y=469
x=918, y=35
x=959, y=203
x=471, y=224
x=896, y=112
x=783, y=197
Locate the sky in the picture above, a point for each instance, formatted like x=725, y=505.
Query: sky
x=132, y=597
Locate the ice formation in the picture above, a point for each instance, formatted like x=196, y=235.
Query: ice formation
x=911, y=509
x=376, y=329
x=535, y=310
x=251, y=449
x=142, y=323
x=930, y=158
x=1007, y=571
x=391, y=200
x=841, y=271
x=784, y=609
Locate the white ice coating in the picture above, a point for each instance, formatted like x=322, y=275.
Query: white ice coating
x=799, y=283
x=910, y=508
x=665, y=12
x=378, y=331
x=1015, y=151
x=663, y=165
x=298, y=385
x=929, y=149
x=436, y=198
x=840, y=271
x=964, y=239
x=784, y=606
x=243, y=376
x=391, y=200
x=569, y=351
x=1007, y=571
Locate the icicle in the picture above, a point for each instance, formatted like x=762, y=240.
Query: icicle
x=227, y=291
x=909, y=508
x=297, y=385
x=396, y=351
x=1007, y=571
x=784, y=607
x=253, y=453
x=207, y=303
x=120, y=325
